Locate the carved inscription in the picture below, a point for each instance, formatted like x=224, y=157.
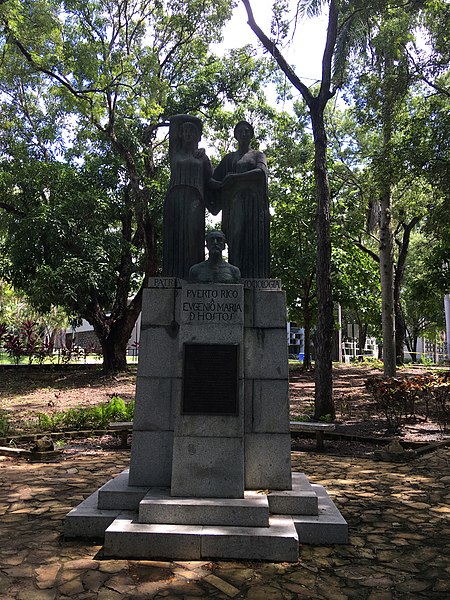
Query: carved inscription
x=162, y=282
x=262, y=284
x=212, y=304
x=210, y=379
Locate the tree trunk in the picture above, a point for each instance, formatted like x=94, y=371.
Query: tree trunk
x=362, y=336
x=114, y=356
x=387, y=286
x=386, y=234
x=307, y=339
x=400, y=326
x=413, y=351
x=325, y=318
x=400, y=332
x=114, y=333
x=316, y=104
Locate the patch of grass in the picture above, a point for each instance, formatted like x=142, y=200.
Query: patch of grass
x=81, y=418
x=5, y=426
x=369, y=361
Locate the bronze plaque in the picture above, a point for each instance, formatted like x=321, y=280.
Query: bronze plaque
x=210, y=382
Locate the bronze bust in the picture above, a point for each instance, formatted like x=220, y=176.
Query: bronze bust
x=215, y=269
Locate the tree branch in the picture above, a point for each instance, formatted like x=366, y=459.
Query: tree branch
x=273, y=50
x=366, y=250
x=12, y=209
x=325, y=92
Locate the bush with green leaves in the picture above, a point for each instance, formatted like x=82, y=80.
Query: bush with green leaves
x=5, y=426
x=87, y=418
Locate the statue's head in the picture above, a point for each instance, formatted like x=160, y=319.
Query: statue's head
x=190, y=131
x=243, y=130
x=181, y=128
x=215, y=242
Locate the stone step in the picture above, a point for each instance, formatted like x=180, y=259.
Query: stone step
x=328, y=527
x=127, y=538
x=116, y=494
x=250, y=511
x=301, y=500
x=87, y=521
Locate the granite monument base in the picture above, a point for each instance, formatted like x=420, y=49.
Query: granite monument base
x=149, y=523
x=210, y=471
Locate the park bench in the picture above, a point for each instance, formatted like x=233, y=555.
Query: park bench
x=124, y=428
x=318, y=428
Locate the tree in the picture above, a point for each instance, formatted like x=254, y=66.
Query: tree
x=393, y=69
x=421, y=297
x=107, y=75
x=316, y=105
x=293, y=241
x=359, y=190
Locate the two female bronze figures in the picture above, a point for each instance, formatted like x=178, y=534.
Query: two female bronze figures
x=238, y=187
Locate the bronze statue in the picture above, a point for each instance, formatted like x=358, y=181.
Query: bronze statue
x=214, y=269
x=241, y=181
x=184, y=205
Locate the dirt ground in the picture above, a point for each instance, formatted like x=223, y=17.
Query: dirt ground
x=25, y=391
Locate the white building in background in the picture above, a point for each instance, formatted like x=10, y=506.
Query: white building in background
x=83, y=336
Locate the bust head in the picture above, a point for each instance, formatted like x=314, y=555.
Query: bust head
x=215, y=269
x=215, y=242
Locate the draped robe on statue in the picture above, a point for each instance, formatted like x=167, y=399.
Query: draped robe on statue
x=245, y=211
x=184, y=213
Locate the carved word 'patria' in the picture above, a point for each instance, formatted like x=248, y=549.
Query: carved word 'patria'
x=162, y=282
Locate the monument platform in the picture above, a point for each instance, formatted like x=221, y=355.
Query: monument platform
x=149, y=523
x=210, y=472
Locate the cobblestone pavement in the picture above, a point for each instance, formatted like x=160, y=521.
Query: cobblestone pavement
x=397, y=513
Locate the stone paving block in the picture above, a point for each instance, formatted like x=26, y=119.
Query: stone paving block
x=159, y=352
x=248, y=307
x=151, y=458
x=328, y=527
x=116, y=494
x=87, y=521
x=278, y=542
x=210, y=334
x=158, y=306
x=267, y=405
x=218, y=305
x=126, y=538
x=211, y=425
x=250, y=511
x=301, y=500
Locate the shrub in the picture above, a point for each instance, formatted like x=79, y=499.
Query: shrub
x=27, y=343
x=397, y=398
x=5, y=425
x=93, y=417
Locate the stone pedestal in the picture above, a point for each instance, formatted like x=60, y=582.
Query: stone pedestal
x=211, y=424
x=210, y=454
